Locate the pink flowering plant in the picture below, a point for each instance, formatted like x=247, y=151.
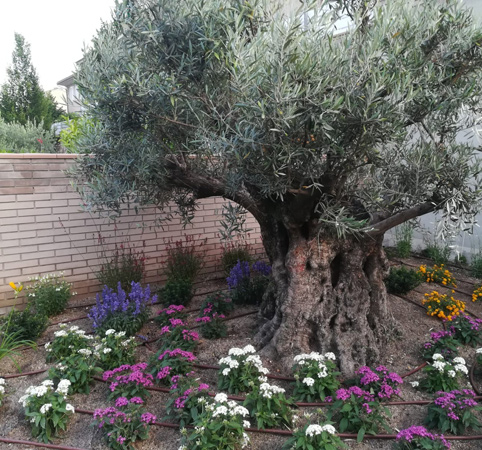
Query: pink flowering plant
x=188, y=400
x=241, y=370
x=467, y=330
x=315, y=375
x=453, y=411
x=358, y=411
x=114, y=349
x=443, y=375
x=218, y=302
x=313, y=436
x=125, y=423
x=67, y=341
x=129, y=381
x=380, y=382
x=177, y=335
x=419, y=438
x=164, y=365
x=171, y=312
x=268, y=405
x=442, y=342
x=212, y=325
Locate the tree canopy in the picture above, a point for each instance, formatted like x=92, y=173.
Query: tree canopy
x=22, y=99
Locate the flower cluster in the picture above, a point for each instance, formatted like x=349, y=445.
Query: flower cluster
x=466, y=329
x=122, y=311
x=315, y=376
x=129, y=381
x=241, y=370
x=381, y=382
x=477, y=293
x=49, y=293
x=443, y=306
x=443, y=375
x=219, y=426
x=170, y=363
x=248, y=283
x=419, y=437
x=171, y=312
x=176, y=335
x=442, y=342
x=125, y=423
x=2, y=390
x=212, y=324
x=47, y=408
x=453, y=411
x=67, y=342
x=314, y=436
x=438, y=274
x=114, y=349
x=218, y=302
x=269, y=406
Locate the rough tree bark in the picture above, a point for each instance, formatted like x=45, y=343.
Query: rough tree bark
x=328, y=295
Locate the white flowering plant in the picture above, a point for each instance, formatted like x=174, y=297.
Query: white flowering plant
x=443, y=375
x=269, y=406
x=47, y=409
x=79, y=368
x=221, y=426
x=241, y=370
x=478, y=356
x=67, y=341
x=2, y=390
x=114, y=349
x=312, y=437
x=49, y=293
x=315, y=375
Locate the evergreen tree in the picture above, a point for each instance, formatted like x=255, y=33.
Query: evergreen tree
x=21, y=97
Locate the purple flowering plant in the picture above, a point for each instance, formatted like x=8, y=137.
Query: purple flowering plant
x=171, y=312
x=125, y=423
x=442, y=342
x=453, y=411
x=129, y=381
x=380, y=382
x=177, y=335
x=164, y=365
x=419, y=438
x=247, y=283
x=121, y=311
x=188, y=400
x=466, y=330
x=358, y=411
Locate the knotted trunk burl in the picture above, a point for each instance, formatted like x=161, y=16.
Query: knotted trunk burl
x=328, y=294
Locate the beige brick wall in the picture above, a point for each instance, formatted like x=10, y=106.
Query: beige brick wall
x=43, y=229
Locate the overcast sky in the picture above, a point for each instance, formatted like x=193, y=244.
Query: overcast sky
x=56, y=31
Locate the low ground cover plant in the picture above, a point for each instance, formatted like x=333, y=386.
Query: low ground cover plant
x=171, y=312
x=247, y=283
x=67, y=342
x=438, y=274
x=241, y=370
x=357, y=411
x=47, y=409
x=121, y=311
x=442, y=342
x=419, y=438
x=402, y=280
x=315, y=375
x=114, y=349
x=176, y=292
x=442, y=375
x=443, y=306
x=466, y=330
x=11, y=341
x=27, y=324
x=453, y=412
x=269, y=407
x=382, y=383
x=438, y=253
x=49, y=293
x=403, y=240
x=221, y=425
x=125, y=423
x=177, y=335
x=314, y=436
x=170, y=363
x=129, y=381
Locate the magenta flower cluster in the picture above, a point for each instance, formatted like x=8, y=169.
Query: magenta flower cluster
x=127, y=374
x=475, y=324
x=187, y=335
x=437, y=336
x=207, y=319
x=454, y=402
x=176, y=353
x=415, y=432
x=111, y=414
x=381, y=381
x=181, y=400
x=171, y=309
x=346, y=394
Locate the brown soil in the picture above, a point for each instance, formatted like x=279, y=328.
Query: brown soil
x=401, y=355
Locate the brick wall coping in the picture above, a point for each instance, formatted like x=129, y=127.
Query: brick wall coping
x=38, y=156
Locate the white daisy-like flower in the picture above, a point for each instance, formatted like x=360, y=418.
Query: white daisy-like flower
x=45, y=408
x=328, y=428
x=107, y=350
x=313, y=430
x=459, y=360
x=308, y=381
x=69, y=407
x=246, y=424
x=226, y=371
x=451, y=373
x=438, y=357
x=414, y=383
x=221, y=398
x=110, y=331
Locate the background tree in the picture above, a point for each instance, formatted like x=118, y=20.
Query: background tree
x=21, y=97
x=328, y=141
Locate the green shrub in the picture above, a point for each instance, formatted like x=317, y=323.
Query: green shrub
x=31, y=138
x=176, y=292
x=402, y=280
x=438, y=253
x=49, y=294
x=476, y=266
x=184, y=259
x=403, y=240
x=234, y=253
x=27, y=324
x=218, y=302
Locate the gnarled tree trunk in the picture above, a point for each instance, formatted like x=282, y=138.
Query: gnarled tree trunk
x=328, y=295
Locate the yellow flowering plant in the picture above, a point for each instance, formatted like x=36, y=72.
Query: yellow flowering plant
x=477, y=293
x=438, y=274
x=443, y=306
x=16, y=289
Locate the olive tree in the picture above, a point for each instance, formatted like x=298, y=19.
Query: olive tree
x=329, y=140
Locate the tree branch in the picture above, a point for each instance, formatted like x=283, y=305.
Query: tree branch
x=401, y=217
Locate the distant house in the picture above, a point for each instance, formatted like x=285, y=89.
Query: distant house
x=73, y=99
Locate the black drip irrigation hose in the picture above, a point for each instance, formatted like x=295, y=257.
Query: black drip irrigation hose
x=38, y=444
